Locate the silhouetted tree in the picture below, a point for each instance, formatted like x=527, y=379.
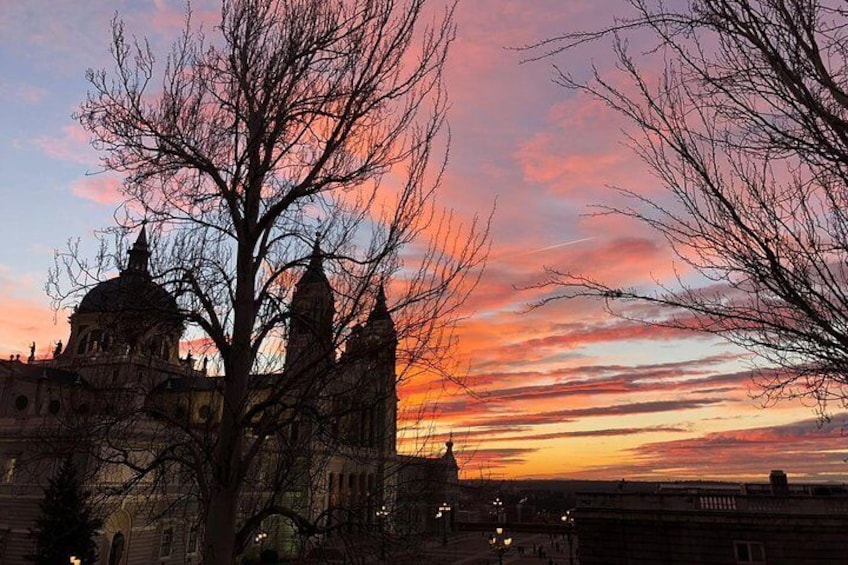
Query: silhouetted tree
x=293, y=117
x=67, y=525
x=746, y=126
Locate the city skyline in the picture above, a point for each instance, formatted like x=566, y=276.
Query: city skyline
x=559, y=391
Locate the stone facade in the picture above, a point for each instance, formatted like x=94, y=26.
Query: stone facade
x=122, y=357
x=741, y=525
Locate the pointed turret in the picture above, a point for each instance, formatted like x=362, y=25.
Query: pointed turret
x=139, y=254
x=314, y=272
x=310, y=345
x=449, y=457
x=380, y=348
x=380, y=310
x=380, y=325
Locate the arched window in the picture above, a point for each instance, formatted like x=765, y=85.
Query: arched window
x=116, y=550
x=105, y=341
x=294, y=430
x=83, y=345
x=166, y=542
x=21, y=402
x=90, y=342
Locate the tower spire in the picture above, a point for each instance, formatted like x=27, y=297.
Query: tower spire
x=380, y=310
x=315, y=269
x=310, y=346
x=139, y=254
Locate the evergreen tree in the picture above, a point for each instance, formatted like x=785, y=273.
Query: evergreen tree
x=66, y=525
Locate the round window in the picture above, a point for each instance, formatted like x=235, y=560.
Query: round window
x=54, y=407
x=21, y=402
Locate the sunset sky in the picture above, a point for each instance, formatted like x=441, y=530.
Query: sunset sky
x=560, y=391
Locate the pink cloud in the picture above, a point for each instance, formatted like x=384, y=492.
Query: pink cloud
x=580, y=153
x=71, y=145
x=570, y=414
x=168, y=18
x=102, y=189
x=24, y=319
x=802, y=448
x=29, y=94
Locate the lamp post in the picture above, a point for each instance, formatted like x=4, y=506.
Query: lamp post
x=381, y=514
x=568, y=521
x=443, y=514
x=259, y=539
x=500, y=543
x=498, y=505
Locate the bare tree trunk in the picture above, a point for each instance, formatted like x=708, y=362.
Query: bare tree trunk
x=222, y=513
x=219, y=538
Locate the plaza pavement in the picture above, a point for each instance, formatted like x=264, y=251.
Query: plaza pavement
x=472, y=548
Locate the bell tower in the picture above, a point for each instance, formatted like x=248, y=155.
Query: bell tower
x=381, y=340
x=310, y=348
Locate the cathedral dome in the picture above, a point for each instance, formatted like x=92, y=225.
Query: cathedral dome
x=128, y=293
x=133, y=291
x=128, y=314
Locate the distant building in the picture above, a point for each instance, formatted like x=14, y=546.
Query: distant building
x=122, y=356
x=715, y=524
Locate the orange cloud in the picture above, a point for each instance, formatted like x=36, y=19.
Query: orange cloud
x=803, y=448
x=24, y=320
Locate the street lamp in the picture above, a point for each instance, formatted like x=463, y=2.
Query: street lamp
x=381, y=514
x=74, y=560
x=259, y=539
x=500, y=544
x=443, y=514
x=498, y=504
x=568, y=521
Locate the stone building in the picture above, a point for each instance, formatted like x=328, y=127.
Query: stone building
x=715, y=524
x=121, y=375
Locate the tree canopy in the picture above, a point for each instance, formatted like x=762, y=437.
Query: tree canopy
x=294, y=131
x=741, y=112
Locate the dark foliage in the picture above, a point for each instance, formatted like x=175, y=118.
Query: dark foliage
x=67, y=524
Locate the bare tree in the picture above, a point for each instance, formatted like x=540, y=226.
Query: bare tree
x=294, y=117
x=746, y=127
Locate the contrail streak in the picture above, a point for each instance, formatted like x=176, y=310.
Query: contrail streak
x=558, y=245
x=543, y=249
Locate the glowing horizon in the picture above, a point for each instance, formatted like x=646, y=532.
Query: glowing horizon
x=559, y=391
